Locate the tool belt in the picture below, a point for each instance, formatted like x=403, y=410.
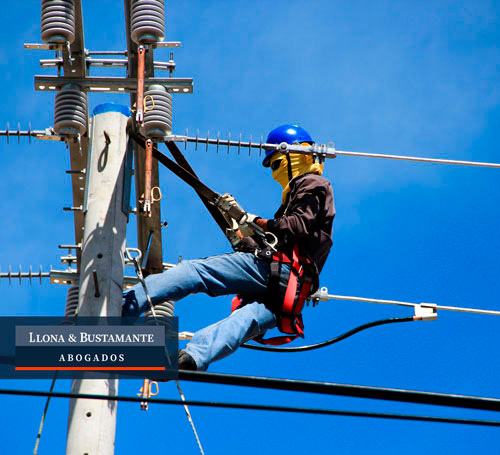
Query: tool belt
x=291, y=281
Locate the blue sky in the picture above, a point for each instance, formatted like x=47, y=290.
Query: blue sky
x=408, y=77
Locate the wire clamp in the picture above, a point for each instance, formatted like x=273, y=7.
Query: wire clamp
x=426, y=312
x=320, y=294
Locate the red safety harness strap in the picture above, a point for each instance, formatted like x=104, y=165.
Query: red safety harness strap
x=291, y=300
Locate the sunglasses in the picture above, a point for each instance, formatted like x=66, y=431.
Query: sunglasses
x=276, y=164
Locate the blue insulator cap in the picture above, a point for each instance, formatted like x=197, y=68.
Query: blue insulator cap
x=112, y=107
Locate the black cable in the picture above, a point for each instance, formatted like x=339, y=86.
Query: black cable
x=331, y=340
x=44, y=415
x=348, y=390
x=255, y=407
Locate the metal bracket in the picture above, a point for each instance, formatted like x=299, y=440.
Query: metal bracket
x=167, y=44
x=113, y=84
x=44, y=47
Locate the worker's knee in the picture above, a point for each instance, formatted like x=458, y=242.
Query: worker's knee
x=257, y=316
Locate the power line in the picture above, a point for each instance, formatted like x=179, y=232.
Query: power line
x=331, y=341
x=419, y=159
x=323, y=295
x=376, y=393
x=348, y=390
x=44, y=415
x=255, y=407
x=322, y=150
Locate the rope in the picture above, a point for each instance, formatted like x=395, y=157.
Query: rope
x=331, y=340
x=255, y=407
x=138, y=271
x=42, y=422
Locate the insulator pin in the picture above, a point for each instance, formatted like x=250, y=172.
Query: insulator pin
x=58, y=21
x=70, y=115
x=157, y=112
x=147, y=21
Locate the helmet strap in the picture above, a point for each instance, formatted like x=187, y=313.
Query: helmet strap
x=289, y=167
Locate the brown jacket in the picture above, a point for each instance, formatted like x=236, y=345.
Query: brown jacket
x=305, y=218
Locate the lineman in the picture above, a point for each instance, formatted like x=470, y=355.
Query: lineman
x=303, y=222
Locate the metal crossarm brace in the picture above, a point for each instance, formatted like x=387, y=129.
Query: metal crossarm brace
x=113, y=84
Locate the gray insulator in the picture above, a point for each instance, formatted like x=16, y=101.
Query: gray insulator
x=147, y=21
x=162, y=310
x=70, y=115
x=58, y=21
x=158, y=112
x=72, y=301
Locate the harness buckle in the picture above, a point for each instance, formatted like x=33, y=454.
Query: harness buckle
x=264, y=253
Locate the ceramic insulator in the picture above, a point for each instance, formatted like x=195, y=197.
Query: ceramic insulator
x=147, y=21
x=70, y=116
x=58, y=21
x=158, y=112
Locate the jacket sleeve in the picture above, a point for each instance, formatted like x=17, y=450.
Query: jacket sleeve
x=301, y=213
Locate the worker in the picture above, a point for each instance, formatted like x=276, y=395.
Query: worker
x=303, y=221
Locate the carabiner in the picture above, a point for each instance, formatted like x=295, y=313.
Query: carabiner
x=130, y=257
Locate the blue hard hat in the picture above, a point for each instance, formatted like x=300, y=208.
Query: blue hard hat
x=288, y=133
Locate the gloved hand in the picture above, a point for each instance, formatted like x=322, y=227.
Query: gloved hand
x=245, y=225
x=231, y=221
x=227, y=203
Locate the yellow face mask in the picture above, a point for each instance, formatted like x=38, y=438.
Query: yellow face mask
x=301, y=164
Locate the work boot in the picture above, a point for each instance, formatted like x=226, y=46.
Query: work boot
x=186, y=362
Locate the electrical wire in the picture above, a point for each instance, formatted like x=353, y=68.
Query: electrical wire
x=328, y=388
x=348, y=390
x=323, y=295
x=255, y=407
x=321, y=150
x=185, y=403
x=417, y=158
x=331, y=340
x=42, y=422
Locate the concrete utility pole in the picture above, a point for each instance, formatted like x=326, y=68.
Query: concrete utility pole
x=92, y=423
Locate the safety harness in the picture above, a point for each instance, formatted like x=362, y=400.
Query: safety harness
x=291, y=281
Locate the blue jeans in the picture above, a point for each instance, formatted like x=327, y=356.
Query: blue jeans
x=232, y=273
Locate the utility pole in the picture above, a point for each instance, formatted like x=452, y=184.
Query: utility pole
x=92, y=423
x=101, y=157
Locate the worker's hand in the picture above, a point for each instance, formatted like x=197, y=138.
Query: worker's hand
x=247, y=224
x=246, y=230
x=249, y=218
x=227, y=203
x=231, y=221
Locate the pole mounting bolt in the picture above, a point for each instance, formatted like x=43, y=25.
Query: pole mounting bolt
x=283, y=147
